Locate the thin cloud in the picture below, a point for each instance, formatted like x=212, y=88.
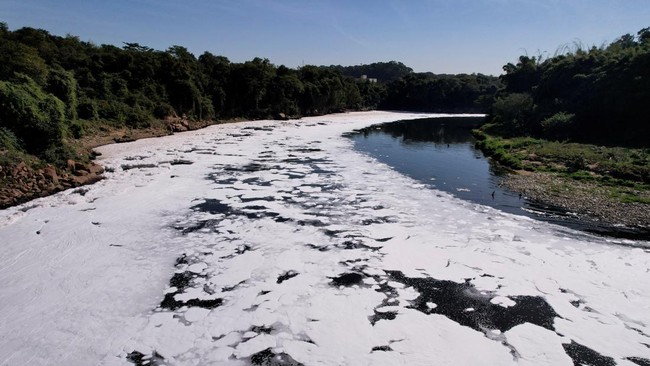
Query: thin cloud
x=348, y=36
x=399, y=9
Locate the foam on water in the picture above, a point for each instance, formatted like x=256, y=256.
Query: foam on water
x=281, y=245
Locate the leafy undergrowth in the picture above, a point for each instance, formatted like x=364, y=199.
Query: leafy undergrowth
x=624, y=171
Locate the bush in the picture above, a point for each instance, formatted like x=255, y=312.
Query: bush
x=8, y=141
x=113, y=110
x=59, y=154
x=34, y=117
x=77, y=129
x=513, y=113
x=63, y=85
x=88, y=110
x=631, y=172
x=138, y=118
x=497, y=149
x=559, y=126
x=576, y=163
x=163, y=110
x=206, y=110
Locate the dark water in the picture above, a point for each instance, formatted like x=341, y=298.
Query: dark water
x=440, y=152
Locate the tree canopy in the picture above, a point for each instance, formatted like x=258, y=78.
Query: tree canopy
x=598, y=95
x=54, y=87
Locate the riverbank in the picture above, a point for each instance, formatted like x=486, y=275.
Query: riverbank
x=590, y=201
x=277, y=240
x=24, y=177
x=608, y=185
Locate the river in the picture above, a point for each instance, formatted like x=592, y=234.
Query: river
x=279, y=243
x=440, y=153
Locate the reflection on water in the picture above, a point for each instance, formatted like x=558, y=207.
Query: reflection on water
x=440, y=152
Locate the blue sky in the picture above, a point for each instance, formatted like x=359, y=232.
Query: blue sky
x=442, y=36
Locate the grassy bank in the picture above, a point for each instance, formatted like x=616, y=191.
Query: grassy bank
x=622, y=174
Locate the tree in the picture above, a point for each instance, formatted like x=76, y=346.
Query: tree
x=63, y=85
x=597, y=95
x=35, y=117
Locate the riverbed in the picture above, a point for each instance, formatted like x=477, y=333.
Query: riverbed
x=278, y=243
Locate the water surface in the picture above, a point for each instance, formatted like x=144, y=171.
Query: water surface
x=441, y=153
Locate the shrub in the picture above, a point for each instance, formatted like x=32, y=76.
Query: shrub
x=163, y=110
x=59, y=154
x=63, y=85
x=113, y=110
x=138, y=118
x=8, y=141
x=88, y=110
x=576, y=163
x=77, y=129
x=35, y=117
x=559, y=126
x=513, y=113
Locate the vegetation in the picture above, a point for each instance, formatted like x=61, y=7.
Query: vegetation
x=427, y=92
x=545, y=114
x=56, y=89
x=597, y=96
x=579, y=115
x=53, y=89
x=384, y=72
x=625, y=171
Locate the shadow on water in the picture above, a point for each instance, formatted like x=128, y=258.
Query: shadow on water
x=441, y=153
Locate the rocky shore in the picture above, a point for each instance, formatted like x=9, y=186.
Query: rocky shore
x=589, y=200
x=21, y=183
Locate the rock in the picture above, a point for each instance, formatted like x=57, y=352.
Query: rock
x=70, y=164
x=125, y=138
x=86, y=179
x=80, y=180
x=96, y=169
x=177, y=124
x=81, y=172
x=18, y=170
x=49, y=173
x=178, y=127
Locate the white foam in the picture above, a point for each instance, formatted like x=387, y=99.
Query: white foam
x=79, y=293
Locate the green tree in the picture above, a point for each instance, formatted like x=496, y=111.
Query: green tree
x=63, y=85
x=34, y=116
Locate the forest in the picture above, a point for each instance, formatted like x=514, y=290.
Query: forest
x=598, y=95
x=55, y=89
